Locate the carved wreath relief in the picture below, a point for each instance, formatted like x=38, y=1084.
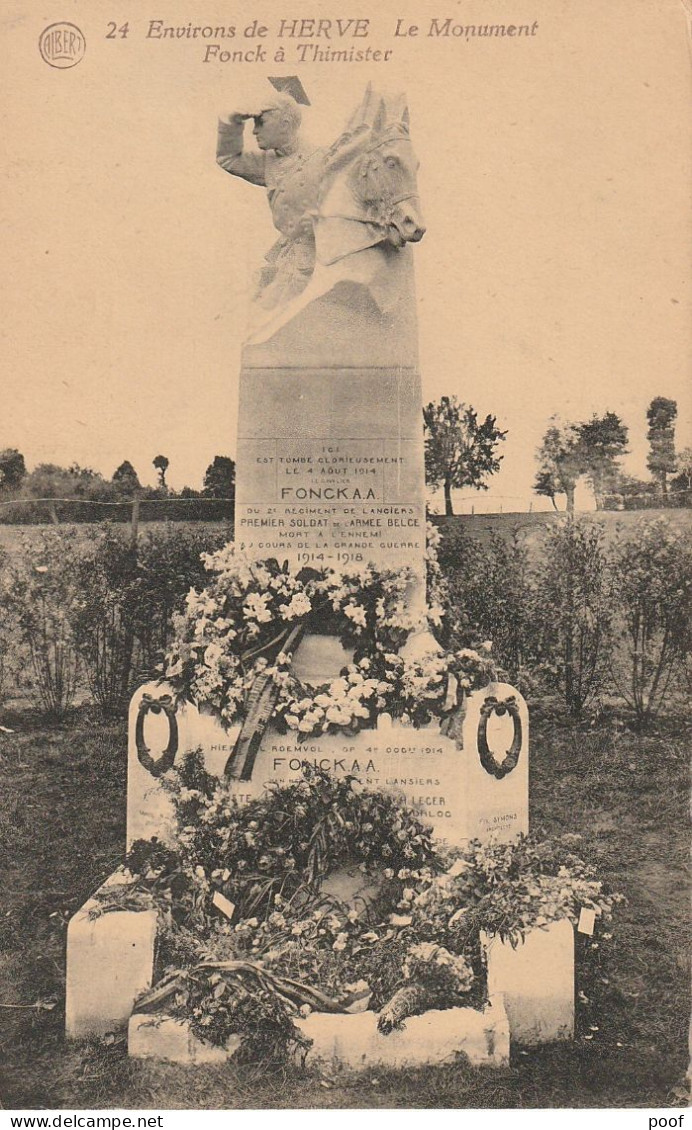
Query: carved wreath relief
x=157, y=766
x=488, y=760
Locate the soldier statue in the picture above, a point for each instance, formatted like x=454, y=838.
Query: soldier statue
x=291, y=170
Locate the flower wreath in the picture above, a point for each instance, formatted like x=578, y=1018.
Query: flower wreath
x=251, y=616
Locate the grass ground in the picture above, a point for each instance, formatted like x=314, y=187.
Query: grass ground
x=531, y=528
x=62, y=811
x=11, y=536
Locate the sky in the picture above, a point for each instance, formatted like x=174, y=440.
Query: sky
x=554, y=177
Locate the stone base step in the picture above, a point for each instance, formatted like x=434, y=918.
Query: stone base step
x=434, y=1037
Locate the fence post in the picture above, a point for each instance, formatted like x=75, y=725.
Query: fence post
x=134, y=527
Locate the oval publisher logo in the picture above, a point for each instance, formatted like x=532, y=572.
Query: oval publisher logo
x=62, y=45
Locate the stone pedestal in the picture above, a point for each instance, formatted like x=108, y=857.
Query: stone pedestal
x=330, y=432
x=536, y=980
x=495, y=741
x=110, y=962
x=330, y=467
x=159, y=736
x=444, y=780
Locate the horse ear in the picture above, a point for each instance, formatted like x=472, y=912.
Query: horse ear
x=398, y=111
x=362, y=113
x=380, y=122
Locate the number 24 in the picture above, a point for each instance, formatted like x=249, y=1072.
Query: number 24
x=113, y=29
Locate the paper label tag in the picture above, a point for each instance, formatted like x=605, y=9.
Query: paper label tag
x=587, y=921
x=223, y=904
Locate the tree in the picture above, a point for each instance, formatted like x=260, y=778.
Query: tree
x=682, y=483
x=560, y=462
x=48, y=480
x=87, y=483
x=125, y=479
x=12, y=468
x=219, y=478
x=458, y=450
x=161, y=464
x=661, y=415
x=603, y=441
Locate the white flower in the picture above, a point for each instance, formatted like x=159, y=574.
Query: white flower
x=334, y=714
x=356, y=612
x=300, y=606
x=435, y=614
x=255, y=607
x=212, y=654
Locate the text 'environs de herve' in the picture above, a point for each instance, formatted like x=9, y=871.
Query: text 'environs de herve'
x=311, y=29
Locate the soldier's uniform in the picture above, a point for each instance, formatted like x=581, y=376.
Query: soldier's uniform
x=292, y=184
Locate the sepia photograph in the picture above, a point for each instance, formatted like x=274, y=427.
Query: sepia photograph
x=345, y=559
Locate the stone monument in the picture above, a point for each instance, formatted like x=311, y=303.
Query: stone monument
x=330, y=469
x=330, y=475
x=330, y=443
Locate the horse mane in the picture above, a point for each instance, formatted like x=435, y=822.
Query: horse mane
x=377, y=120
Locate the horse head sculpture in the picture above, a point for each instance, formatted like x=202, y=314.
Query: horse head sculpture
x=370, y=195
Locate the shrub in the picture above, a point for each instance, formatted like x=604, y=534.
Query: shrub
x=169, y=564
x=38, y=594
x=491, y=596
x=5, y=630
x=122, y=619
x=573, y=612
x=652, y=574
x=104, y=615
